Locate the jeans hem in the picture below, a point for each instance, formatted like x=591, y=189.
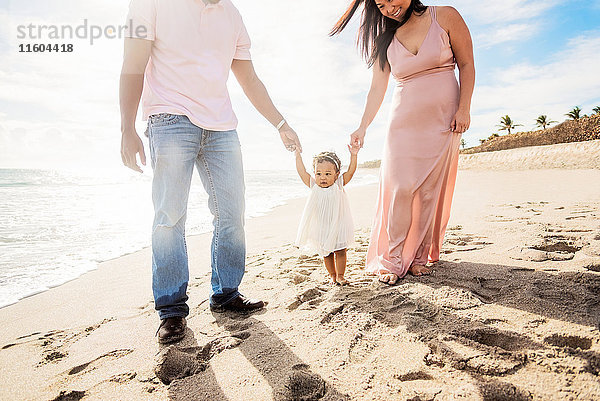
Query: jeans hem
x=170, y=315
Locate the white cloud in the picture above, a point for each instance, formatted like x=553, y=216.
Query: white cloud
x=505, y=33
x=501, y=12
x=525, y=91
x=495, y=23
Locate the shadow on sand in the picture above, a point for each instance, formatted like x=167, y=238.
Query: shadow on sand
x=287, y=375
x=490, y=352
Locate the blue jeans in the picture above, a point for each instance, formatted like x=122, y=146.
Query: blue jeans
x=176, y=145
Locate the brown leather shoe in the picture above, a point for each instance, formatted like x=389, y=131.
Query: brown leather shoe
x=171, y=330
x=239, y=304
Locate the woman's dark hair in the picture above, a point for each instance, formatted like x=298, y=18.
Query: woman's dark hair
x=376, y=31
x=330, y=157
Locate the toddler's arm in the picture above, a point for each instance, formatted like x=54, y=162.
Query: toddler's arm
x=301, y=169
x=353, y=163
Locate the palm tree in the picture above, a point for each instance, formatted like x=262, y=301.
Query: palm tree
x=543, y=121
x=463, y=143
x=596, y=110
x=575, y=114
x=506, y=123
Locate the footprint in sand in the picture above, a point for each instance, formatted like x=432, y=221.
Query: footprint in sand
x=312, y=295
x=461, y=242
x=554, y=247
x=331, y=310
x=497, y=338
x=487, y=351
x=569, y=341
x=88, y=366
x=301, y=384
x=497, y=390
x=583, y=213
x=595, y=267
x=366, y=340
x=55, y=343
x=412, y=376
x=70, y=396
x=176, y=363
x=453, y=298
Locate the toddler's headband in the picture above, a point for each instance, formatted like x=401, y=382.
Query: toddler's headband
x=335, y=163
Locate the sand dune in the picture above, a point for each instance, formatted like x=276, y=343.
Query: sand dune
x=511, y=312
x=576, y=155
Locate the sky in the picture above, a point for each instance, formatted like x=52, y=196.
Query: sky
x=60, y=110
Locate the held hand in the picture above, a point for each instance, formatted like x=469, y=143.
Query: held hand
x=131, y=145
x=461, y=121
x=290, y=139
x=353, y=149
x=357, y=138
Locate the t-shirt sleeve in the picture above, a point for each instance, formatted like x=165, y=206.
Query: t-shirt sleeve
x=312, y=181
x=242, y=51
x=141, y=20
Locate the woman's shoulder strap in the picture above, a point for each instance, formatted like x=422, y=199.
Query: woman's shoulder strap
x=432, y=10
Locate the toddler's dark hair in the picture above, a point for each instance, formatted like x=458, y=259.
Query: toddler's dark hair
x=330, y=157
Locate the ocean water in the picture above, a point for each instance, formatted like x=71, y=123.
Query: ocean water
x=55, y=226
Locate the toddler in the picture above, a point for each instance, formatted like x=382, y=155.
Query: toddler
x=326, y=226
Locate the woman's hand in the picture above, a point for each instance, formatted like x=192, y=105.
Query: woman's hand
x=353, y=149
x=357, y=138
x=461, y=122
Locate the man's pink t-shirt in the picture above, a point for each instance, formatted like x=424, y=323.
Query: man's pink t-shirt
x=193, y=47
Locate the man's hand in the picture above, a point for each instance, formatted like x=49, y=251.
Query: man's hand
x=135, y=59
x=290, y=139
x=131, y=145
x=259, y=97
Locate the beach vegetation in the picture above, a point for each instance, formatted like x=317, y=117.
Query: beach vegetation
x=583, y=129
x=543, y=121
x=506, y=123
x=596, y=110
x=370, y=164
x=575, y=113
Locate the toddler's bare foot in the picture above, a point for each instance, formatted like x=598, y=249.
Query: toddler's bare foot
x=419, y=270
x=340, y=280
x=333, y=280
x=388, y=278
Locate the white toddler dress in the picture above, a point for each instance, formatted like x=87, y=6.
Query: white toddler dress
x=326, y=223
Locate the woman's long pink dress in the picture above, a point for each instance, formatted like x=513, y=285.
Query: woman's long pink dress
x=420, y=159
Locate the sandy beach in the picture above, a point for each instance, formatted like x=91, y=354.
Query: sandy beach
x=511, y=312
